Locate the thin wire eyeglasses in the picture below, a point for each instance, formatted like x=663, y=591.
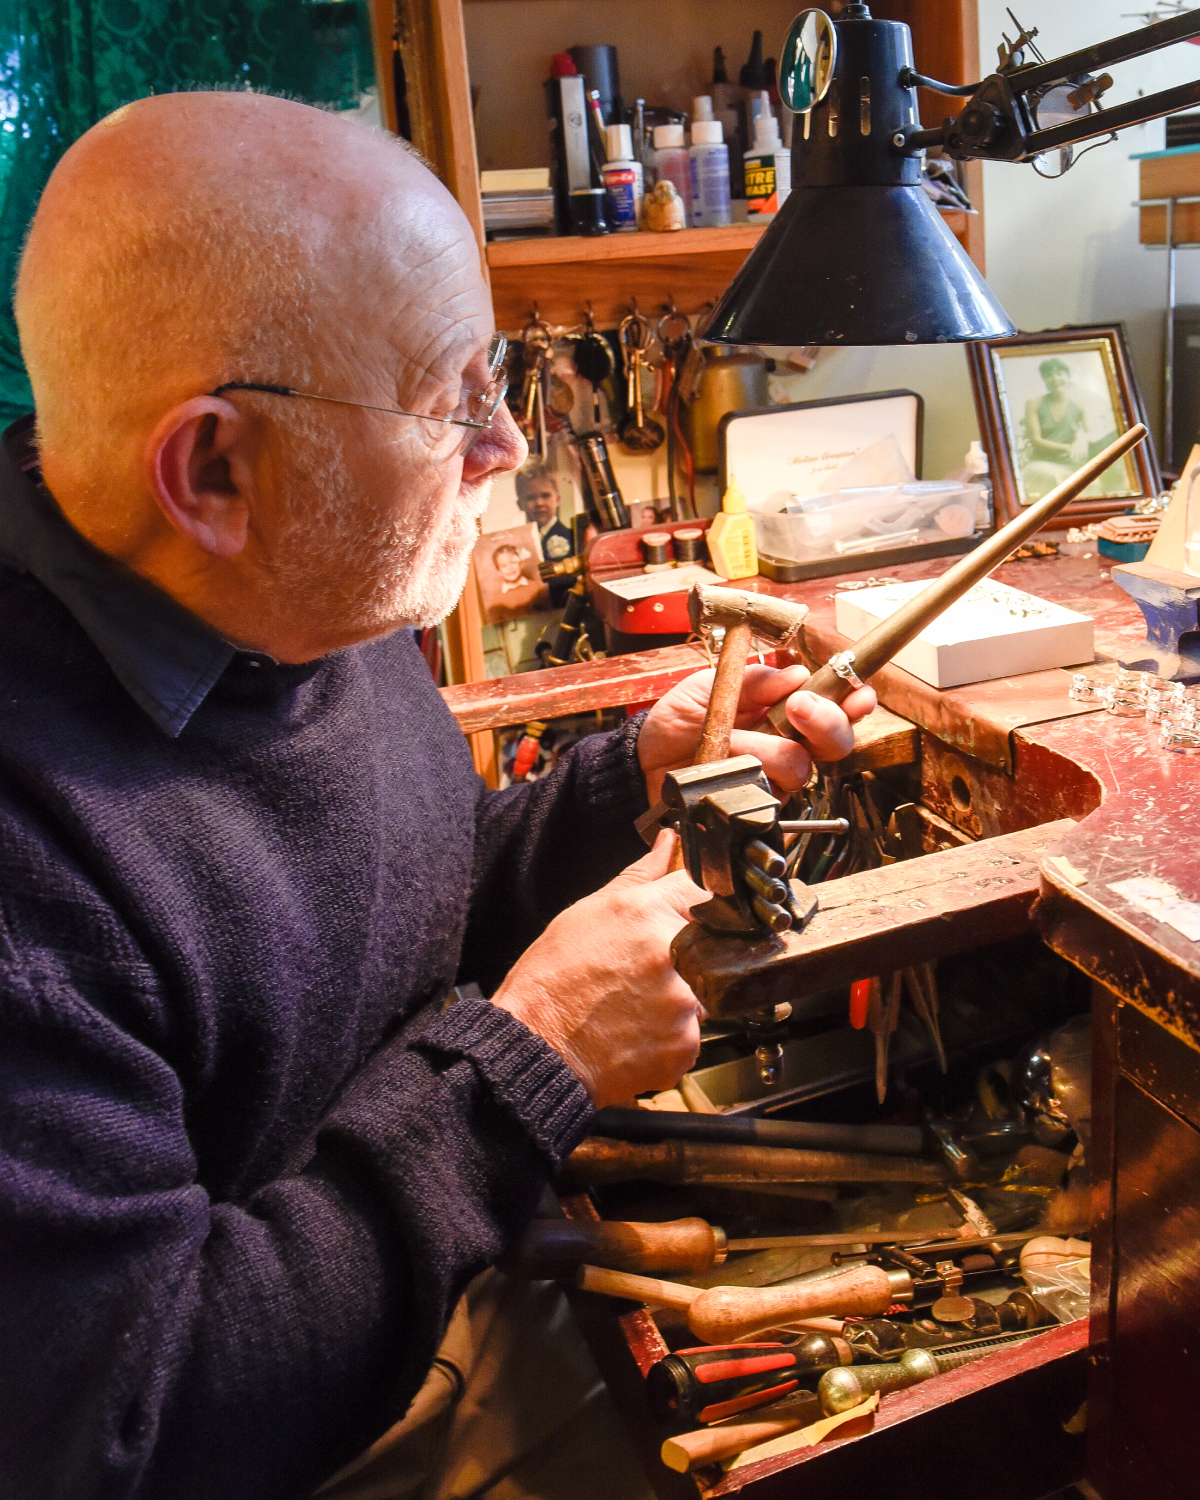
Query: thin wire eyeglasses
x=476, y=411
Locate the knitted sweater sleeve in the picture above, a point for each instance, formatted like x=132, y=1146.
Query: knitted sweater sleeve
x=544, y=844
x=159, y=1344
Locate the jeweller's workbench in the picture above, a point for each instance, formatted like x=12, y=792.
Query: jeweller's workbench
x=1116, y=891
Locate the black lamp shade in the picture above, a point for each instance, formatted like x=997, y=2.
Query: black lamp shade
x=858, y=254
x=858, y=265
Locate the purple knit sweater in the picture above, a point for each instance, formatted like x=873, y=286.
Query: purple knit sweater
x=247, y=1164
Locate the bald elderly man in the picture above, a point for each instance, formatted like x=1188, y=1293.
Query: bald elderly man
x=250, y=1159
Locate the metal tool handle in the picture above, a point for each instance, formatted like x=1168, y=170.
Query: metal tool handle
x=881, y=643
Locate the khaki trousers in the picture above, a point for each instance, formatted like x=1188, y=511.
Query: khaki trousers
x=512, y=1409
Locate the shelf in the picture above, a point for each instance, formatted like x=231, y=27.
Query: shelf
x=563, y=274
x=553, y=250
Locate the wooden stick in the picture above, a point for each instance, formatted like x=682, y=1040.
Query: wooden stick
x=881, y=644
x=709, y=1445
x=636, y=1288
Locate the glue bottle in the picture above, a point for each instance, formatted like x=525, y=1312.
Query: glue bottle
x=623, y=179
x=768, y=166
x=710, y=168
x=731, y=544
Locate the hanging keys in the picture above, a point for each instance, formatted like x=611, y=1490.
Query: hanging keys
x=638, y=432
x=539, y=344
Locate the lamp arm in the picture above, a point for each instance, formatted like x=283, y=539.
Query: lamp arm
x=1105, y=121
x=997, y=121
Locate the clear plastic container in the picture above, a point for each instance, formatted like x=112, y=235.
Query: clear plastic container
x=851, y=521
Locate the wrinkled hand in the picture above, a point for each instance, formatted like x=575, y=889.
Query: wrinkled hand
x=671, y=734
x=599, y=987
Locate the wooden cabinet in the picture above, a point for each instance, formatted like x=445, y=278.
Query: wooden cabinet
x=563, y=275
x=426, y=44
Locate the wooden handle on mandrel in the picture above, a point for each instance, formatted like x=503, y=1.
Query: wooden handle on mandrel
x=684, y=1247
x=881, y=643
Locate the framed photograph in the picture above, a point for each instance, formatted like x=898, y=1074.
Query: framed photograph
x=506, y=566
x=1047, y=402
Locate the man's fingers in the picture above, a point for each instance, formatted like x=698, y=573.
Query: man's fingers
x=763, y=687
x=826, y=729
x=787, y=764
x=678, y=893
x=652, y=865
x=861, y=702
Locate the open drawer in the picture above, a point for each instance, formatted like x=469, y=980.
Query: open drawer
x=1007, y=1427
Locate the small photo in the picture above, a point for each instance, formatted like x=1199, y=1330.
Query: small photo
x=1061, y=406
x=506, y=565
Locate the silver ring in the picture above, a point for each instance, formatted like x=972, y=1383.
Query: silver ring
x=842, y=662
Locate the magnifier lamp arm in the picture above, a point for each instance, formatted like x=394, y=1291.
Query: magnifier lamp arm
x=998, y=123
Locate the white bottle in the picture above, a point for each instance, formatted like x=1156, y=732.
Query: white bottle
x=671, y=161
x=768, y=166
x=974, y=470
x=709, y=155
x=623, y=179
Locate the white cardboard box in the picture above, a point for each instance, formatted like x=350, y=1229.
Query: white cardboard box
x=992, y=631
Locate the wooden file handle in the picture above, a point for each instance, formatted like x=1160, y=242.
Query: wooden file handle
x=636, y=1288
x=599, y=1160
x=725, y=1313
x=709, y=1445
x=684, y=1247
x=881, y=643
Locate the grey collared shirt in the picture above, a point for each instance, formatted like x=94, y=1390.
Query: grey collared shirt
x=166, y=658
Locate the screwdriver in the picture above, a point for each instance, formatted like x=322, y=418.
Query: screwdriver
x=707, y=1385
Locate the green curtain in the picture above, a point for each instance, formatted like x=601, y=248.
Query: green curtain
x=64, y=64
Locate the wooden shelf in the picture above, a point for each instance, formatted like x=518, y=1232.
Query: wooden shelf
x=562, y=274
x=553, y=250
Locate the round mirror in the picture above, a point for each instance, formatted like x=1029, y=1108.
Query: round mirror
x=809, y=57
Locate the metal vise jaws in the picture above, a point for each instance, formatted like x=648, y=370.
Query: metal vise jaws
x=732, y=843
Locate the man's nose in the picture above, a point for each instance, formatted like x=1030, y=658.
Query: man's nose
x=499, y=450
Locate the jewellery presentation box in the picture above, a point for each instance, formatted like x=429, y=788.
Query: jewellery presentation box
x=835, y=485
x=993, y=631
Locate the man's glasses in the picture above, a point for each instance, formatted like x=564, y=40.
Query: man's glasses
x=476, y=411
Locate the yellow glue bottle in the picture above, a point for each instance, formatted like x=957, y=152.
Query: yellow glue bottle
x=731, y=542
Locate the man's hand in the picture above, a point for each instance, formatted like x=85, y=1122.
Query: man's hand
x=599, y=987
x=671, y=733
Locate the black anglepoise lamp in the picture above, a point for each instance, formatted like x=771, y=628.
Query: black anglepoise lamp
x=859, y=254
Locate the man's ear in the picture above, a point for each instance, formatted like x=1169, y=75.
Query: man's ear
x=199, y=469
